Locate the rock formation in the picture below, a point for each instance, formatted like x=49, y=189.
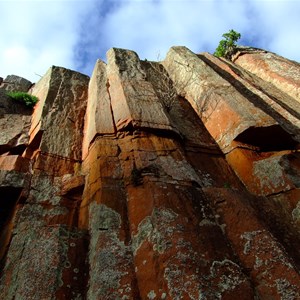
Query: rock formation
x=153, y=180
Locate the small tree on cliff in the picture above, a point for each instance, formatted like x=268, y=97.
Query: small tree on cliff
x=227, y=46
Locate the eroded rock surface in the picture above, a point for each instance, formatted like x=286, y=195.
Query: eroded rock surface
x=171, y=180
x=278, y=70
x=15, y=83
x=14, y=125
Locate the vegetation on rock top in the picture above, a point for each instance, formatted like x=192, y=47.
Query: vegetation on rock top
x=227, y=46
x=25, y=98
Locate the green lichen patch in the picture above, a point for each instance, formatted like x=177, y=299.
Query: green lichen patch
x=296, y=213
x=103, y=218
x=157, y=229
x=265, y=249
x=227, y=274
x=45, y=189
x=35, y=263
x=287, y=290
x=270, y=175
x=109, y=258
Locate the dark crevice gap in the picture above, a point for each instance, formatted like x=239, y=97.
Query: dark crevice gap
x=12, y=150
x=9, y=198
x=110, y=106
x=267, y=139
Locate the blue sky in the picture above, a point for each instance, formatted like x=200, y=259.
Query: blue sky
x=37, y=34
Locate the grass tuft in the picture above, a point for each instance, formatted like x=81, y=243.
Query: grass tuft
x=25, y=98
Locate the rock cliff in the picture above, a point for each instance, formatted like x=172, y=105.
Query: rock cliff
x=153, y=180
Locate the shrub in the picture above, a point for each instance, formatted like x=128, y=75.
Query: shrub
x=227, y=46
x=25, y=98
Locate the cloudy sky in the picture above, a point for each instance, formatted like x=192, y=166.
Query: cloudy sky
x=74, y=33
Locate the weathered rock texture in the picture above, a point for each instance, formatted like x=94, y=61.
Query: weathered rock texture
x=171, y=180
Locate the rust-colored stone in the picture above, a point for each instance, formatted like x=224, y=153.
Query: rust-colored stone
x=278, y=70
x=99, y=115
x=171, y=180
x=14, y=162
x=273, y=273
x=134, y=100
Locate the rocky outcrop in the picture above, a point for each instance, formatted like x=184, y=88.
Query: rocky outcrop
x=171, y=180
x=14, y=125
x=272, y=68
x=15, y=83
x=58, y=117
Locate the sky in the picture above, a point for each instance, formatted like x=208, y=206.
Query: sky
x=36, y=34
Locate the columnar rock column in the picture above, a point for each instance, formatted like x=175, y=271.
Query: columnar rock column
x=41, y=262
x=272, y=68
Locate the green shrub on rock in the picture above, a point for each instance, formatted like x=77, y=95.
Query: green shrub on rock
x=25, y=98
x=227, y=46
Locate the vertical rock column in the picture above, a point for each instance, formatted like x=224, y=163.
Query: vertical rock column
x=172, y=252
x=104, y=207
x=272, y=68
x=46, y=256
x=14, y=169
x=104, y=213
x=133, y=99
x=99, y=119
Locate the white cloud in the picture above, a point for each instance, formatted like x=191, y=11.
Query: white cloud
x=280, y=23
x=151, y=27
x=38, y=34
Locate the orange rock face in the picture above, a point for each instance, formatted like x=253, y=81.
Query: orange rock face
x=172, y=180
x=275, y=69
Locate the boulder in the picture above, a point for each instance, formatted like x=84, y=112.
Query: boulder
x=15, y=83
